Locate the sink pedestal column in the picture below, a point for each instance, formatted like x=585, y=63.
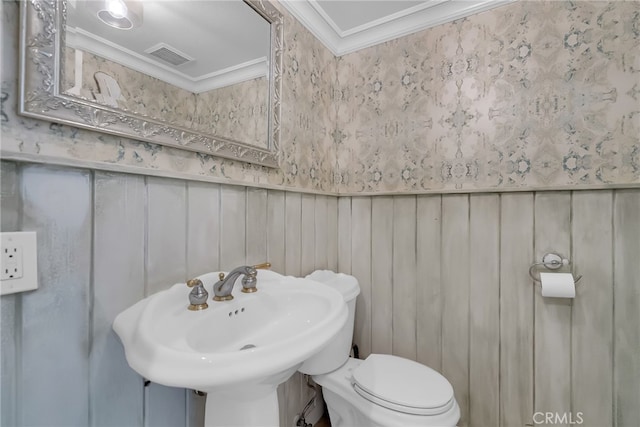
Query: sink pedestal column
x=246, y=404
x=226, y=410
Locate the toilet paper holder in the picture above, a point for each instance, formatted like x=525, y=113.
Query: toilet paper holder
x=550, y=261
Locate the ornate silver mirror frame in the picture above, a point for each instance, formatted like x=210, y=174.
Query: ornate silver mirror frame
x=42, y=37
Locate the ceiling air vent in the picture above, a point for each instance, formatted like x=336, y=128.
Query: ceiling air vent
x=168, y=54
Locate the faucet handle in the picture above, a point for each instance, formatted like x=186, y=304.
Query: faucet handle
x=249, y=280
x=194, y=282
x=221, y=276
x=264, y=265
x=198, y=296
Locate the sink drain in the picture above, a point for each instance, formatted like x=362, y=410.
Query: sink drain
x=246, y=347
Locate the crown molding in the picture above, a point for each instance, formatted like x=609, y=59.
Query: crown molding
x=417, y=18
x=308, y=16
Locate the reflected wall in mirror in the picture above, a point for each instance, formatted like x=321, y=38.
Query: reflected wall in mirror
x=199, y=75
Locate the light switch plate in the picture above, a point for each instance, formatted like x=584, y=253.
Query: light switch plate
x=18, y=262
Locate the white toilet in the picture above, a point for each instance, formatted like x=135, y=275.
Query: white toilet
x=382, y=390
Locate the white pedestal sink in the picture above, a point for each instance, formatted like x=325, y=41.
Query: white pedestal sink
x=237, y=351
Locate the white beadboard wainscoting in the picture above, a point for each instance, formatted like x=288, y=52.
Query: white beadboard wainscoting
x=107, y=240
x=445, y=282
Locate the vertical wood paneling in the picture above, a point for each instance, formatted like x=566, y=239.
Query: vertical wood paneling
x=166, y=265
x=404, y=276
x=233, y=204
x=552, y=315
x=516, y=310
x=203, y=228
x=275, y=230
x=165, y=406
x=332, y=233
x=195, y=405
x=344, y=235
x=592, y=333
x=308, y=234
x=484, y=310
x=597, y=345
x=256, y=226
x=9, y=196
x=8, y=360
x=361, y=269
x=166, y=233
x=118, y=283
x=494, y=326
x=626, y=225
x=55, y=318
x=455, y=291
x=293, y=233
x=382, y=275
x=321, y=224
x=429, y=292
x=9, y=217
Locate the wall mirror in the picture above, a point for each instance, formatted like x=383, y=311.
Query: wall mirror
x=199, y=75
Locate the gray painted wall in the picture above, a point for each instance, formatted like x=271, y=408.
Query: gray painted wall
x=104, y=242
x=445, y=282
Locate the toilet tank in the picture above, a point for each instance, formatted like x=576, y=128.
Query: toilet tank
x=336, y=353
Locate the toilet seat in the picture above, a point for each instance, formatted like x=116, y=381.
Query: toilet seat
x=402, y=385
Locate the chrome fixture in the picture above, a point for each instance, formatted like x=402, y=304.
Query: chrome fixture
x=198, y=296
x=302, y=422
x=550, y=261
x=222, y=289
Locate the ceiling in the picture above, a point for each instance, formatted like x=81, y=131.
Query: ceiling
x=227, y=42
x=345, y=26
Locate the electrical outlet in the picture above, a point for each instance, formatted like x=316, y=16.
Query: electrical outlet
x=18, y=262
x=11, y=262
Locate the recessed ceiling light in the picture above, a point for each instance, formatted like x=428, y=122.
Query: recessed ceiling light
x=121, y=14
x=117, y=8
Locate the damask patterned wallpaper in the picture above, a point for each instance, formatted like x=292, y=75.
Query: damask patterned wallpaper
x=239, y=111
x=528, y=95
x=307, y=148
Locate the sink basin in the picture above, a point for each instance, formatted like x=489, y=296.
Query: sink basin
x=237, y=351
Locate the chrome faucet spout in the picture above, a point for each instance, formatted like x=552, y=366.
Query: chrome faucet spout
x=222, y=289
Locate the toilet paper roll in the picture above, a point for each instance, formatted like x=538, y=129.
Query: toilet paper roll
x=558, y=285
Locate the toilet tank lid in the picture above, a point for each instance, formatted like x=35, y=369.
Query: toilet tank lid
x=403, y=383
x=345, y=284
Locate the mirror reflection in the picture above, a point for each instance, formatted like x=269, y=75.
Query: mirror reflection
x=200, y=65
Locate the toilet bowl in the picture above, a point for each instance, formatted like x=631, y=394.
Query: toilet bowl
x=382, y=390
